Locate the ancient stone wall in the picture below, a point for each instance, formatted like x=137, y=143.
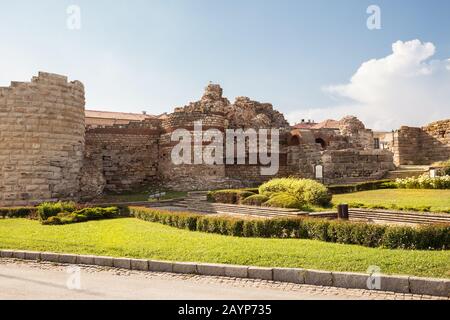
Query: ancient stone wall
x=351, y=166
x=41, y=140
x=422, y=146
x=120, y=158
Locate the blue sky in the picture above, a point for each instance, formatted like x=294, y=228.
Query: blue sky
x=154, y=55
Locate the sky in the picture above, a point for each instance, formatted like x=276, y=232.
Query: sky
x=310, y=59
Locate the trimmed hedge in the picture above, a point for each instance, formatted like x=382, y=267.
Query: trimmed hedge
x=255, y=200
x=436, y=237
x=18, y=212
x=231, y=196
x=283, y=200
x=363, y=186
x=82, y=215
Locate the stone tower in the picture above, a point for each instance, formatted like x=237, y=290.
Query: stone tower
x=41, y=140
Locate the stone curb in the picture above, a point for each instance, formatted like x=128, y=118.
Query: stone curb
x=398, y=284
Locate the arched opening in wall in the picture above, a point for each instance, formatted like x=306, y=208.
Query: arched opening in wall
x=295, y=141
x=322, y=143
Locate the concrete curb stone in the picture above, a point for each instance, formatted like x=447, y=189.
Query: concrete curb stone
x=206, y=269
x=6, y=253
x=260, y=273
x=399, y=284
x=68, y=258
x=139, y=264
x=122, y=263
x=160, y=266
x=104, y=261
x=432, y=287
x=49, y=257
x=184, y=267
x=86, y=259
x=236, y=271
x=350, y=280
x=318, y=278
x=292, y=275
x=30, y=255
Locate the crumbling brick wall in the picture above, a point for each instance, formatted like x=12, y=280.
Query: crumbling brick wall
x=120, y=158
x=41, y=140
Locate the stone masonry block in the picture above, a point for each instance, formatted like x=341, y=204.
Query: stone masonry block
x=19, y=255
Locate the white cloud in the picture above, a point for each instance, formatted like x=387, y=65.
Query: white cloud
x=404, y=88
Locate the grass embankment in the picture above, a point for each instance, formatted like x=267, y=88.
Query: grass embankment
x=139, y=239
x=407, y=199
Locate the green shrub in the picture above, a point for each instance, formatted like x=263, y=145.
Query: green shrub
x=346, y=232
x=284, y=200
x=50, y=209
x=306, y=191
x=424, y=182
x=18, y=212
x=255, y=200
x=82, y=215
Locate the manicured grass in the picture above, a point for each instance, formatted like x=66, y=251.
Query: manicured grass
x=438, y=200
x=139, y=239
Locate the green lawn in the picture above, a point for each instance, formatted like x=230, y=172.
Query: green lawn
x=135, y=238
x=438, y=200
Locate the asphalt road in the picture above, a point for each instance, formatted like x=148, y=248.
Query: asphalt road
x=22, y=280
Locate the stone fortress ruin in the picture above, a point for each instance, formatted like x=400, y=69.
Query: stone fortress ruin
x=52, y=148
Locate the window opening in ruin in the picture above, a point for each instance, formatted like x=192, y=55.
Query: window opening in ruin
x=295, y=141
x=321, y=142
x=376, y=143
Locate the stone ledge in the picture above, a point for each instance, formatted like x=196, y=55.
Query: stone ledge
x=398, y=284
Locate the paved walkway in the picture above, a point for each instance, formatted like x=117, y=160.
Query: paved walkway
x=33, y=280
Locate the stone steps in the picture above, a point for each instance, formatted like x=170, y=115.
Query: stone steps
x=406, y=171
x=220, y=208
x=398, y=217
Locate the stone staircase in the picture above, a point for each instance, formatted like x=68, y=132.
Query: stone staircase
x=405, y=171
x=398, y=217
x=197, y=201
